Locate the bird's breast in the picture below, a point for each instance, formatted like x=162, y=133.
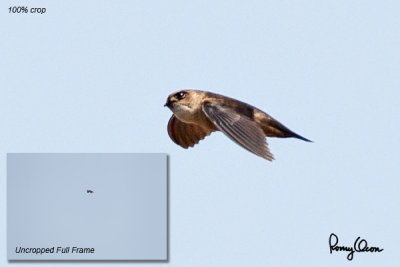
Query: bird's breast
x=185, y=113
x=193, y=116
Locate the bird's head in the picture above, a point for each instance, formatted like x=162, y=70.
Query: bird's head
x=179, y=97
x=184, y=103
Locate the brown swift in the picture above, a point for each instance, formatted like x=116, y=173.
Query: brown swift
x=198, y=113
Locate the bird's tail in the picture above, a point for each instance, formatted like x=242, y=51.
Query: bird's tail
x=276, y=129
x=295, y=135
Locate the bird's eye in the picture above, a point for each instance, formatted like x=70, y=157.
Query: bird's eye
x=181, y=95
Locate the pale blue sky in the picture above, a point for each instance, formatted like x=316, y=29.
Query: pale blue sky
x=92, y=76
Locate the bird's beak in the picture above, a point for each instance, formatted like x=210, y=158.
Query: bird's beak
x=168, y=103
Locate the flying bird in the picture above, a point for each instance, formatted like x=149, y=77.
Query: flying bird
x=196, y=114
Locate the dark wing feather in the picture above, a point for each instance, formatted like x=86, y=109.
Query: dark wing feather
x=185, y=134
x=241, y=129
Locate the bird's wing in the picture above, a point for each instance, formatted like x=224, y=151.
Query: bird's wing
x=241, y=129
x=185, y=134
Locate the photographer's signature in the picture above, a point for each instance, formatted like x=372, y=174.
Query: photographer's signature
x=360, y=245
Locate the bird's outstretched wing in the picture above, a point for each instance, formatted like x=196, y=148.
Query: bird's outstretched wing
x=185, y=134
x=241, y=129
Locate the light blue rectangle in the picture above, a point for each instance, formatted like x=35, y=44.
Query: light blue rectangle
x=113, y=206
